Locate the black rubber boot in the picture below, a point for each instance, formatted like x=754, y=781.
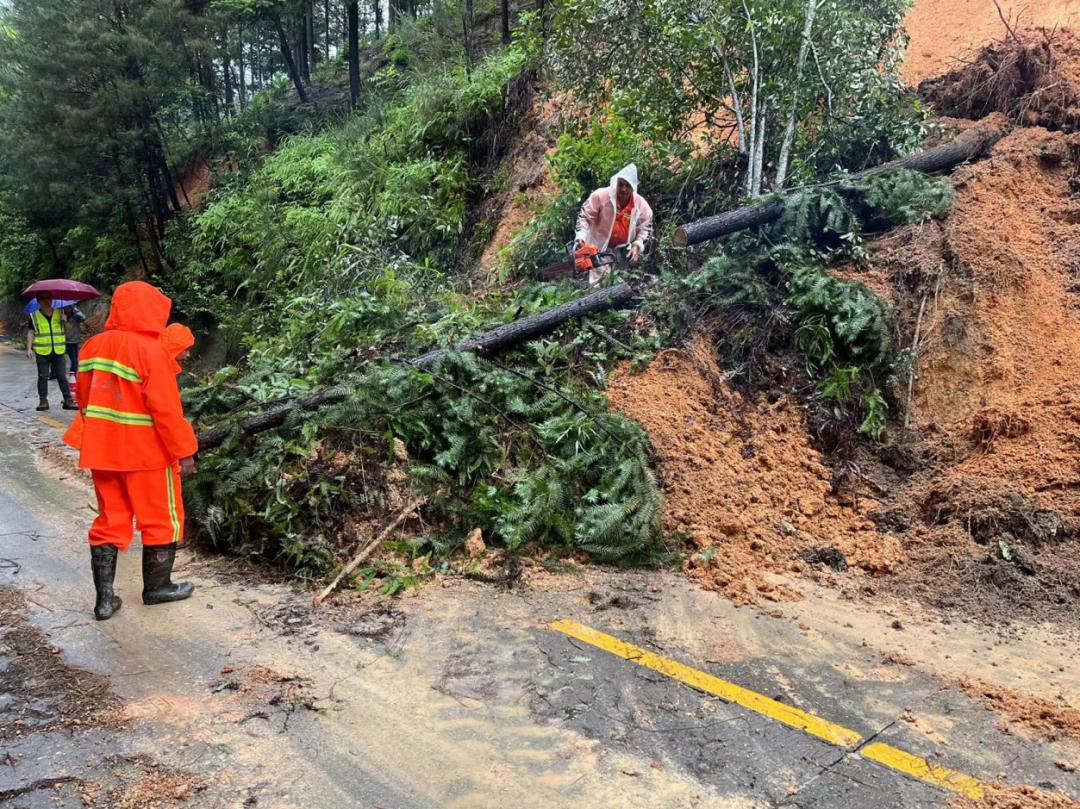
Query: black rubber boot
x=158, y=587
x=70, y=406
x=103, y=565
x=42, y=405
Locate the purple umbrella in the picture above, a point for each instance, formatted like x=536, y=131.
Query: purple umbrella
x=63, y=288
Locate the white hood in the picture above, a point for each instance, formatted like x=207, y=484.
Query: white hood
x=628, y=173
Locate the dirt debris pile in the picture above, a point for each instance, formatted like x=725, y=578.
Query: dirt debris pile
x=1049, y=719
x=1032, y=76
x=992, y=505
x=742, y=481
x=1022, y=797
x=977, y=505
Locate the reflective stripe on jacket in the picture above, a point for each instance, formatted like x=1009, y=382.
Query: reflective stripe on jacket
x=48, y=333
x=132, y=418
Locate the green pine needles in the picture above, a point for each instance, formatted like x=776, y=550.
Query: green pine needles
x=772, y=289
x=522, y=447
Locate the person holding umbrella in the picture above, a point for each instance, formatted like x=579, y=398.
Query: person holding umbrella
x=46, y=342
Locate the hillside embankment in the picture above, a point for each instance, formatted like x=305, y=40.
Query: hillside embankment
x=973, y=501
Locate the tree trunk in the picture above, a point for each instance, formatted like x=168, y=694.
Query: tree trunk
x=497, y=339
x=326, y=32
x=309, y=31
x=354, y=54
x=759, y=149
x=752, y=132
x=505, y=21
x=789, y=127
x=290, y=65
x=467, y=20
x=736, y=103
x=241, y=84
x=972, y=144
x=226, y=70
x=170, y=181
x=303, y=57
x=377, y=6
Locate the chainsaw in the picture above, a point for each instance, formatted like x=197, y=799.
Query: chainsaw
x=568, y=269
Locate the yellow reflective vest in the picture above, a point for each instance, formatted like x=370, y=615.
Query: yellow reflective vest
x=48, y=333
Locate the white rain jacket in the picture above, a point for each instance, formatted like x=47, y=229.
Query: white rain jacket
x=597, y=216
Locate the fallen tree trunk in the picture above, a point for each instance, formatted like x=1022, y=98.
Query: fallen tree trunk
x=497, y=339
x=519, y=331
x=968, y=146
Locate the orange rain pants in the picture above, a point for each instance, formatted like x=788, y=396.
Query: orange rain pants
x=150, y=497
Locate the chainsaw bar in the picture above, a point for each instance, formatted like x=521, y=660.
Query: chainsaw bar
x=568, y=269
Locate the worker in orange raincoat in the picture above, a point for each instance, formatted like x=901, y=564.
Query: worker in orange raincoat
x=136, y=443
x=177, y=341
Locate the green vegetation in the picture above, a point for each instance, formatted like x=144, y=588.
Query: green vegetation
x=340, y=233
x=794, y=87
x=772, y=291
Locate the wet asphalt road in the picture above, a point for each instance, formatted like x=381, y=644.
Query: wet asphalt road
x=461, y=696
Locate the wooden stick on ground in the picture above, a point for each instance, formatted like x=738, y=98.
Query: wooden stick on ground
x=914, y=364
x=369, y=548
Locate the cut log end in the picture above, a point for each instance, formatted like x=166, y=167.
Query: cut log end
x=681, y=239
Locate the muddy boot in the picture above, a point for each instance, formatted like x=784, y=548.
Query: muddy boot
x=42, y=405
x=158, y=588
x=103, y=565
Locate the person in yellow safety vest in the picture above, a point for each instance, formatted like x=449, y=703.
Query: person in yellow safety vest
x=46, y=342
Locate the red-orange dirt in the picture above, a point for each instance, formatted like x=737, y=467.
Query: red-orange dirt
x=193, y=184
x=978, y=505
x=742, y=481
x=943, y=33
x=530, y=188
x=1016, y=798
x=1044, y=718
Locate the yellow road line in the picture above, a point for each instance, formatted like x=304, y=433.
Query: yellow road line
x=793, y=717
x=51, y=422
x=921, y=768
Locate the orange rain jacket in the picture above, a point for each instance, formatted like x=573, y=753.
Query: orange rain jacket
x=132, y=418
x=176, y=339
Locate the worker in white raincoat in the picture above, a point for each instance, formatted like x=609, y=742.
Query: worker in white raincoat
x=613, y=216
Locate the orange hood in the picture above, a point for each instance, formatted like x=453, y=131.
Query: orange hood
x=138, y=306
x=176, y=339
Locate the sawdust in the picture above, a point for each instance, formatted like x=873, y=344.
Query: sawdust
x=741, y=480
x=944, y=33
x=1022, y=797
x=1037, y=716
x=253, y=691
x=46, y=694
x=145, y=784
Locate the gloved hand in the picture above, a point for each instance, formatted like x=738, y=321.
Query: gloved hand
x=583, y=257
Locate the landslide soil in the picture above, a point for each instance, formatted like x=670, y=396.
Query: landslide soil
x=742, y=481
x=946, y=33
x=975, y=507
